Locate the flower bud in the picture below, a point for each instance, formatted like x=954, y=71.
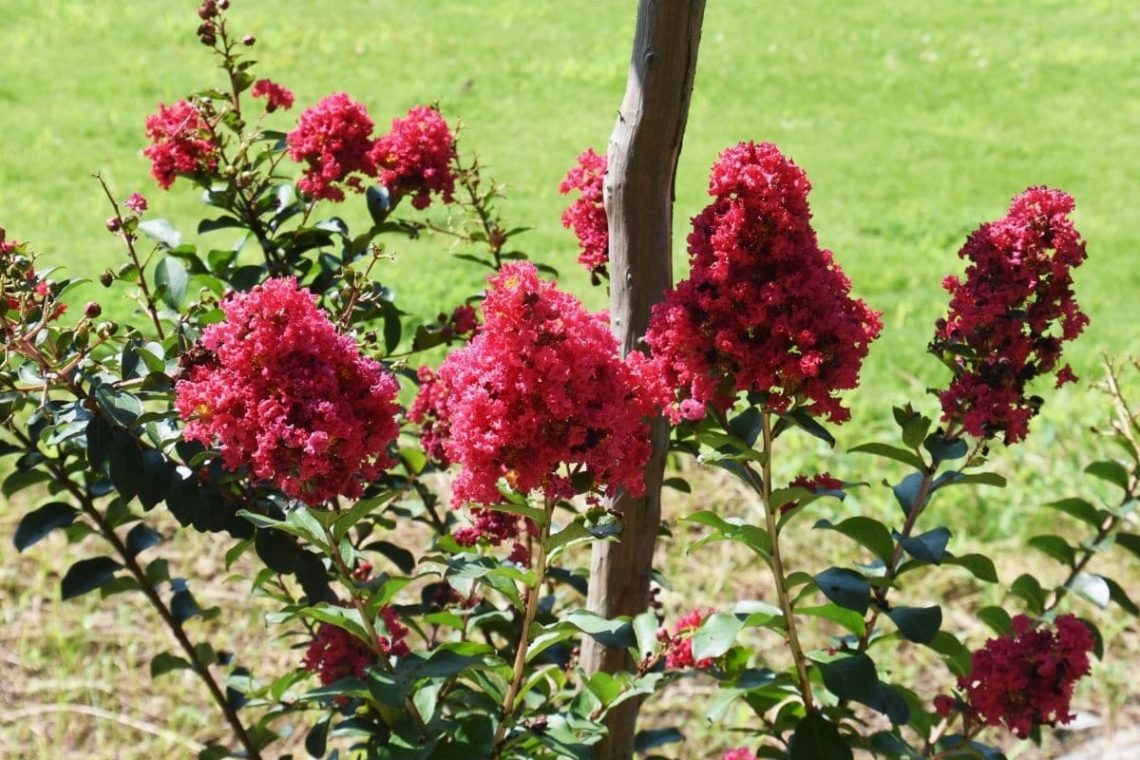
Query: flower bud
x=106, y=278
x=106, y=329
x=92, y=310
x=114, y=224
x=248, y=40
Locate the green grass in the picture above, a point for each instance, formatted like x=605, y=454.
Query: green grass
x=914, y=121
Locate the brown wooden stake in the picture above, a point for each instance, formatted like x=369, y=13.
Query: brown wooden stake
x=642, y=165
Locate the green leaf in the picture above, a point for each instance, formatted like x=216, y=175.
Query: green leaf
x=100, y=440
x=1055, y=547
x=917, y=624
x=715, y=635
x=126, y=464
x=943, y=449
x=979, y=565
x=1029, y=589
x=801, y=419
x=645, y=632
x=849, y=619
x=1092, y=587
x=1113, y=472
x=87, y=575
x=648, y=739
x=142, y=537
x=867, y=531
x=21, y=479
x=617, y=634
x=997, y=619
x=846, y=588
x=953, y=652
x=162, y=232
x=316, y=742
x=170, y=279
x=906, y=491
x=852, y=677
x=183, y=606
x=1078, y=508
x=164, y=662
x=890, y=452
x=926, y=547
x=41, y=521
x=678, y=484
x=914, y=426
x=157, y=474
x=1130, y=542
x=816, y=738
x=1118, y=595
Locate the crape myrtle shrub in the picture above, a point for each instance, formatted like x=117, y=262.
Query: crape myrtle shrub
x=257, y=395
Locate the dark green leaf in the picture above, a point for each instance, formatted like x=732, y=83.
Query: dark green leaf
x=316, y=742
x=1113, y=472
x=126, y=464
x=399, y=556
x=1029, y=589
x=1055, y=547
x=716, y=635
x=1129, y=542
x=648, y=739
x=846, y=588
x=906, y=491
x=849, y=619
x=379, y=203
x=679, y=484
x=997, y=619
x=816, y=738
x=943, y=449
x=853, y=678
x=164, y=662
x=182, y=603
x=41, y=521
x=747, y=426
x=142, y=537
x=956, y=656
x=979, y=565
x=100, y=441
x=917, y=624
x=87, y=575
x=1078, y=508
x=157, y=474
x=927, y=547
x=21, y=479
x=890, y=452
x=869, y=532
x=1118, y=595
x=801, y=419
x=914, y=426
x=221, y=223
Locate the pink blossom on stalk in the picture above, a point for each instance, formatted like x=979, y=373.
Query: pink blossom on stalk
x=181, y=143
x=541, y=386
x=334, y=139
x=679, y=642
x=414, y=158
x=334, y=653
x=1026, y=678
x=1010, y=316
x=587, y=214
x=764, y=308
x=287, y=396
x=276, y=96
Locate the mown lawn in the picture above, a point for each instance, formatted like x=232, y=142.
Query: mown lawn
x=915, y=121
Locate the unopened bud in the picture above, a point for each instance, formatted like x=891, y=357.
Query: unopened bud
x=106, y=278
x=114, y=224
x=208, y=10
x=106, y=329
x=248, y=40
x=92, y=309
x=224, y=4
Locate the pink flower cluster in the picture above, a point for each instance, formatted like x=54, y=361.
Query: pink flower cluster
x=288, y=396
x=415, y=157
x=764, y=309
x=1025, y=678
x=541, y=386
x=587, y=214
x=276, y=96
x=740, y=753
x=1010, y=316
x=334, y=138
x=334, y=653
x=679, y=643
x=182, y=143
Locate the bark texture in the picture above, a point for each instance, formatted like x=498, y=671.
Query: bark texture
x=642, y=165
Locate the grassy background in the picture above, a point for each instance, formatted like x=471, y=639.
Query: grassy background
x=915, y=121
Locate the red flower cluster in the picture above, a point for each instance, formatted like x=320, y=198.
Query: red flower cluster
x=276, y=96
x=288, y=396
x=334, y=653
x=182, y=143
x=587, y=215
x=679, y=643
x=428, y=411
x=1009, y=318
x=540, y=386
x=1026, y=678
x=415, y=157
x=334, y=138
x=764, y=309
x=496, y=527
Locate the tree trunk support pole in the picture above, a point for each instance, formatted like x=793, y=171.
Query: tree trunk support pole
x=639, y=189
